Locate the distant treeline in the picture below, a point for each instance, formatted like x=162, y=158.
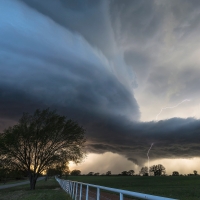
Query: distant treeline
x=155, y=170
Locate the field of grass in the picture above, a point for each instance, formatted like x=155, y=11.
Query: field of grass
x=177, y=187
x=45, y=190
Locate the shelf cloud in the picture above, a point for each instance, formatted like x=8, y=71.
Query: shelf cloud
x=109, y=65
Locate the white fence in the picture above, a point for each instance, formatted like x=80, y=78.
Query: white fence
x=74, y=189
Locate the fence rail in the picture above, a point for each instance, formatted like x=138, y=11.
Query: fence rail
x=75, y=190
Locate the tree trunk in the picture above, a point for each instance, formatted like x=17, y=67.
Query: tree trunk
x=33, y=179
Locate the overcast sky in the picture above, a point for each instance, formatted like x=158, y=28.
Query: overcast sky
x=128, y=71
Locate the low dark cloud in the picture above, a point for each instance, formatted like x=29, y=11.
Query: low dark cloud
x=77, y=56
x=173, y=138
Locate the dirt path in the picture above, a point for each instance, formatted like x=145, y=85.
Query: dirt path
x=17, y=184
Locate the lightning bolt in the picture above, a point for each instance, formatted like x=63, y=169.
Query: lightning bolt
x=171, y=107
x=148, y=155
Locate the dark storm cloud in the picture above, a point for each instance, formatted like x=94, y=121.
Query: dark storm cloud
x=173, y=138
x=13, y=100
x=58, y=54
x=59, y=69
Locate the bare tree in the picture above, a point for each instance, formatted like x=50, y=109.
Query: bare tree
x=131, y=172
x=144, y=171
x=158, y=170
x=124, y=173
x=175, y=173
x=90, y=174
x=41, y=140
x=75, y=172
x=127, y=173
x=108, y=173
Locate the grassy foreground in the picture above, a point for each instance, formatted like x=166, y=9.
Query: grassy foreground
x=177, y=187
x=47, y=190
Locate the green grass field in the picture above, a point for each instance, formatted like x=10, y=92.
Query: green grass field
x=45, y=190
x=179, y=187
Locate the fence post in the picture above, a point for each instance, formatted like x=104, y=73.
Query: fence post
x=70, y=188
x=98, y=193
x=80, y=191
x=73, y=191
x=76, y=190
x=87, y=190
x=72, y=195
x=121, y=196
